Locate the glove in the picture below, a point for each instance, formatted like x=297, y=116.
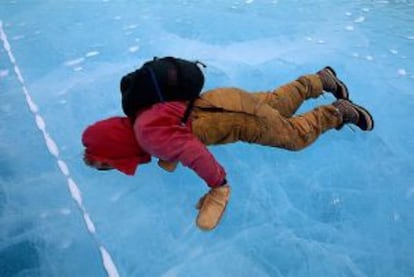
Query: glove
x=168, y=166
x=212, y=206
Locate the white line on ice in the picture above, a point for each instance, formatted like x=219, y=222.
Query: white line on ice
x=107, y=261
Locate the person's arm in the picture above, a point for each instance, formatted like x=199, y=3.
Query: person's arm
x=176, y=143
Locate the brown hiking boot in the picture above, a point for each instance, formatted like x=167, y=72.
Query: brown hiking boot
x=212, y=206
x=354, y=114
x=332, y=84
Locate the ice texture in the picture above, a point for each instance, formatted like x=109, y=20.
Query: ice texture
x=342, y=207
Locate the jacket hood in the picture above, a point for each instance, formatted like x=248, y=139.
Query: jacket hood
x=113, y=141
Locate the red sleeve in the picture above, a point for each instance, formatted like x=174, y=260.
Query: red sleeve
x=164, y=137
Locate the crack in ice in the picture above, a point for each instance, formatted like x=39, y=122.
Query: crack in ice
x=107, y=261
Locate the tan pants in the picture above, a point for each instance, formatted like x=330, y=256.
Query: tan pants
x=228, y=115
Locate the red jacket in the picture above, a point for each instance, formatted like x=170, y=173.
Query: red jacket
x=160, y=133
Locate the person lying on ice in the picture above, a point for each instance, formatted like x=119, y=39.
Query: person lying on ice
x=219, y=116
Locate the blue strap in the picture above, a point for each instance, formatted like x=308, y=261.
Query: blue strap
x=155, y=82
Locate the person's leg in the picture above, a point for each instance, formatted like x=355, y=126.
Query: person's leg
x=288, y=98
x=270, y=129
x=298, y=132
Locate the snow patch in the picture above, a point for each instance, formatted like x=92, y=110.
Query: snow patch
x=133, y=49
x=19, y=37
x=74, y=62
x=130, y=27
x=91, y=54
x=401, y=72
x=359, y=19
x=4, y=73
x=335, y=201
x=65, y=211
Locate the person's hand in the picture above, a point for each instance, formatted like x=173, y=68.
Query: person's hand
x=168, y=166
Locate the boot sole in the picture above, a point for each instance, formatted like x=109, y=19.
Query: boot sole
x=368, y=123
x=342, y=92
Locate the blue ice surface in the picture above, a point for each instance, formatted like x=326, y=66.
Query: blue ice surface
x=342, y=207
